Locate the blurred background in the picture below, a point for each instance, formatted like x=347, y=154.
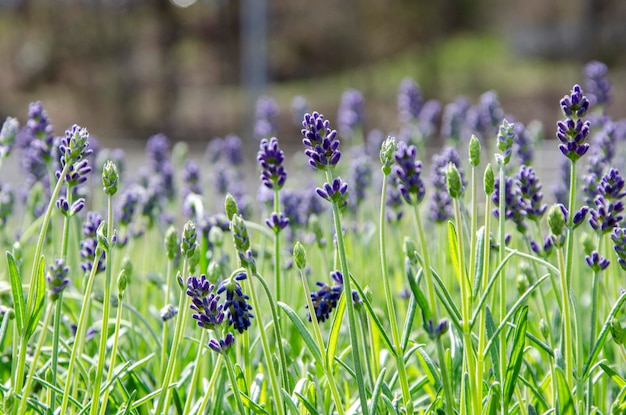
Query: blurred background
x=193, y=69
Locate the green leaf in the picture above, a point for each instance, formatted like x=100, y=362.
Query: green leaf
x=419, y=296
x=36, y=298
x=241, y=379
x=304, y=333
x=597, y=347
x=565, y=403
x=128, y=405
x=333, y=337
x=309, y=407
x=377, y=390
x=290, y=403
x=479, y=260
x=374, y=317
x=493, y=399
x=517, y=355
x=250, y=404
x=429, y=367
x=18, y=294
x=615, y=377
x=453, y=248
x=490, y=326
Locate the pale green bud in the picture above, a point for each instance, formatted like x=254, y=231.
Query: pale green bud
x=489, y=180
x=299, y=256
x=474, y=151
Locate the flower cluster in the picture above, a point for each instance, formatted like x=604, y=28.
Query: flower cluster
x=441, y=202
x=410, y=100
x=271, y=158
x=325, y=299
x=454, y=118
x=361, y=174
x=573, y=131
x=506, y=137
x=89, y=244
x=236, y=305
x=351, y=113
x=596, y=262
x=619, y=245
x=321, y=142
x=408, y=172
x=57, y=278
x=607, y=213
x=337, y=192
x=530, y=190
x=223, y=345
x=208, y=312
x=597, y=85
x=266, y=118
x=8, y=134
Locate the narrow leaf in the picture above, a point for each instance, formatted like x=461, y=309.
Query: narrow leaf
x=250, y=404
x=374, y=317
x=493, y=399
x=517, y=355
x=479, y=260
x=304, y=333
x=18, y=294
x=565, y=403
x=430, y=370
x=419, y=296
x=309, y=407
x=290, y=403
x=615, y=377
x=490, y=326
x=453, y=248
x=333, y=337
x=377, y=390
x=36, y=298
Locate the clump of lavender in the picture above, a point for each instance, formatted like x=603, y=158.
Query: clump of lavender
x=228, y=149
x=351, y=114
x=514, y=204
x=408, y=172
x=208, y=312
x=236, y=305
x=74, y=150
x=441, y=202
x=607, y=213
x=160, y=164
x=597, y=84
x=89, y=244
x=486, y=116
x=619, y=245
x=191, y=178
x=266, y=118
x=409, y=100
x=572, y=131
x=337, y=192
x=522, y=145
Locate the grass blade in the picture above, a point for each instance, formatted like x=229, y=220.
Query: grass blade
x=490, y=326
x=309, y=407
x=17, y=292
x=304, y=333
x=429, y=367
x=290, y=403
x=615, y=377
x=453, y=248
x=479, y=260
x=370, y=311
x=377, y=390
x=333, y=337
x=565, y=403
x=36, y=298
x=517, y=355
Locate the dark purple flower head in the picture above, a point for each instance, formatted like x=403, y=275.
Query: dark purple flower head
x=228, y=149
x=361, y=174
x=606, y=215
x=236, y=305
x=168, y=312
x=595, y=170
x=271, y=158
x=523, y=145
x=612, y=185
x=57, y=279
x=266, y=118
x=204, y=302
x=530, y=190
x=89, y=244
x=337, y=192
x=40, y=130
x=619, y=244
x=436, y=331
x=321, y=142
x=514, y=204
x=68, y=210
x=410, y=100
x=596, y=262
x=576, y=104
x=597, y=85
x=326, y=298
x=408, y=171
x=277, y=222
x=351, y=113
x=223, y=345
x=572, y=134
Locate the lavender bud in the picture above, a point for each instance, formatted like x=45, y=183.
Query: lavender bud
x=57, y=279
x=171, y=243
x=110, y=178
x=8, y=133
x=337, y=192
x=506, y=136
x=122, y=282
x=556, y=220
x=489, y=180
x=271, y=158
x=387, y=151
x=216, y=236
x=410, y=251
x=474, y=151
x=230, y=205
x=188, y=240
x=596, y=262
x=127, y=266
x=453, y=178
x=168, y=312
x=299, y=256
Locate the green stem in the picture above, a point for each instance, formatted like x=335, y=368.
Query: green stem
x=105, y=312
x=164, y=340
x=116, y=335
x=196, y=372
x=79, y=338
x=502, y=291
x=279, y=296
x=397, y=352
x=592, y=326
x=267, y=351
x=566, y=277
x=207, y=393
x=183, y=301
x=566, y=343
x=320, y=341
x=447, y=388
x=233, y=384
x=356, y=353
x=33, y=366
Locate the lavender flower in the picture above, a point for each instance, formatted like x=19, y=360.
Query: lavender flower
x=277, y=222
x=530, y=191
x=428, y=118
x=596, y=83
x=337, y=192
x=410, y=101
x=608, y=211
x=9, y=131
x=223, y=345
x=619, y=245
x=191, y=178
x=522, y=145
x=351, y=113
x=393, y=200
x=326, y=298
x=57, y=279
x=236, y=305
x=561, y=188
x=161, y=169
x=89, y=244
x=441, y=202
x=486, y=116
x=514, y=204
x=361, y=174
x=321, y=142
x=205, y=303
x=596, y=262
x=408, y=171
x=506, y=136
x=453, y=119
x=168, y=312
x=40, y=131
x=572, y=131
x=591, y=180
x=271, y=158
x=266, y=118
x=228, y=149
